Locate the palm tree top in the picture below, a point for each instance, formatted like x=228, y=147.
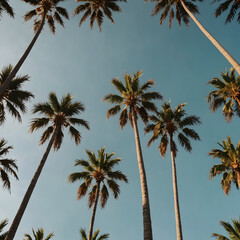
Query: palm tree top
x=4, y=6
x=38, y=235
x=94, y=236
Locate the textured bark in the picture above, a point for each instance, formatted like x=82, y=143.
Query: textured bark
x=94, y=213
x=175, y=193
x=147, y=225
x=230, y=59
x=27, y=196
x=22, y=59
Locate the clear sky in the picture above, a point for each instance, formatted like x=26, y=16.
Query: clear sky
x=83, y=62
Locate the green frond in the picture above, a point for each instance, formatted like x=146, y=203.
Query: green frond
x=114, y=187
x=73, y=177
x=75, y=134
x=104, y=195
x=113, y=98
x=113, y=111
x=38, y=123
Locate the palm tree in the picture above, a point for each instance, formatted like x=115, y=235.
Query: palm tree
x=7, y=166
x=233, y=231
x=44, y=10
x=95, y=235
x=230, y=164
x=227, y=94
x=13, y=98
x=183, y=10
x=3, y=224
x=38, y=235
x=96, y=10
x=58, y=115
x=100, y=171
x=166, y=124
x=4, y=6
x=135, y=101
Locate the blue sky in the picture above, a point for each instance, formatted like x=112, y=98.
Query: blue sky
x=83, y=62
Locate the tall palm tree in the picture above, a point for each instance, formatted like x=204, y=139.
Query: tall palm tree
x=3, y=224
x=7, y=166
x=44, y=10
x=96, y=9
x=95, y=235
x=13, y=98
x=38, y=235
x=227, y=94
x=98, y=169
x=230, y=164
x=166, y=124
x=135, y=100
x=183, y=10
x=233, y=231
x=58, y=115
x=4, y=6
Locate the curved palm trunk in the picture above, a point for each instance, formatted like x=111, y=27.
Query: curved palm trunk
x=175, y=192
x=27, y=196
x=94, y=213
x=230, y=59
x=147, y=225
x=22, y=59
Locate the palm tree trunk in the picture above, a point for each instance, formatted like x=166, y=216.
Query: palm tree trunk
x=175, y=193
x=27, y=196
x=23, y=58
x=94, y=213
x=147, y=225
x=230, y=59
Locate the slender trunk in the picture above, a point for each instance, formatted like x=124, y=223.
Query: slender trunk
x=238, y=177
x=147, y=225
x=27, y=196
x=175, y=193
x=94, y=213
x=22, y=59
x=231, y=60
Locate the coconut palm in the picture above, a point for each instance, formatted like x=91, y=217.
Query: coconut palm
x=3, y=224
x=184, y=10
x=95, y=235
x=230, y=164
x=7, y=166
x=227, y=94
x=96, y=10
x=38, y=235
x=4, y=6
x=58, y=115
x=135, y=100
x=99, y=171
x=44, y=10
x=233, y=231
x=166, y=125
x=13, y=98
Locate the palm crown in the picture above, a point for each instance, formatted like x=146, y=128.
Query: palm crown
x=227, y=94
x=14, y=97
x=95, y=235
x=59, y=115
x=38, y=235
x=3, y=224
x=96, y=10
x=230, y=164
x=135, y=99
x=4, y=6
x=48, y=9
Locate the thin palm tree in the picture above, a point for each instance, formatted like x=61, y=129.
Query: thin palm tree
x=3, y=224
x=166, y=124
x=95, y=235
x=7, y=165
x=4, y=6
x=96, y=10
x=227, y=94
x=230, y=164
x=99, y=171
x=38, y=235
x=13, y=98
x=184, y=10
x=44, y=10
x=58, y=115
x=135, y=100
x=232, y=230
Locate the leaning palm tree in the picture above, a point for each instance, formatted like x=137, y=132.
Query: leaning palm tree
x=58, y=115
x=230, y=164
x=135, y=101
x=96, y=9
x=3, y=224
x=95, y=235
x=13, y=98
x=4, y=6
x=99, y=171
x=166, y=124
x=38, y=235
x=7, y=166
x=183, y=10
x=233, y=231
x=227, y=94
x=44, y=10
